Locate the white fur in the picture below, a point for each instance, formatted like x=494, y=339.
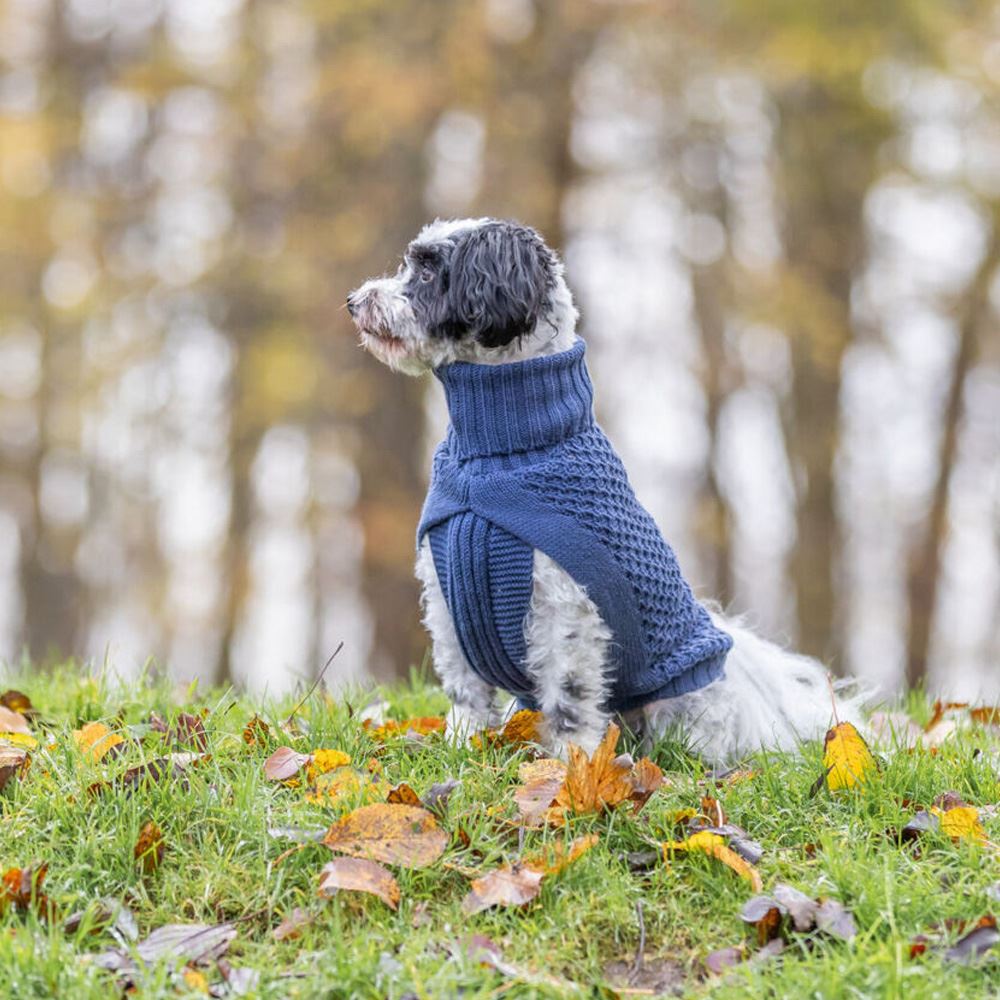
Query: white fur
x=769, y=698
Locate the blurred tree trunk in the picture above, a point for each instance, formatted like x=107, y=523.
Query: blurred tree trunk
x=924, y=570
x=827, y=140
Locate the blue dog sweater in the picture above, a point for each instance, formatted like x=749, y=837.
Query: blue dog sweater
x=524, y=466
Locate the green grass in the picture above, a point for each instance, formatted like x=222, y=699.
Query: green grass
x=222, y=864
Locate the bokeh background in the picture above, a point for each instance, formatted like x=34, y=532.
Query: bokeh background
x=779, y=218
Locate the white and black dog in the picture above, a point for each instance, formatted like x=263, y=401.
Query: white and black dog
x=484, y=305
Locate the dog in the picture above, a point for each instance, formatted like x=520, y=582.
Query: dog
x=542, y=576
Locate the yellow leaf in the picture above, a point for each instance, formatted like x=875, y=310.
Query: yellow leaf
x=595, y=783
x=325, y=760
x=19, y=740
x=961, y=823
x=846, y=758
x=541, y=770
x=714, y=846
x=195, y=980
x=96, y=739
x=397, y=834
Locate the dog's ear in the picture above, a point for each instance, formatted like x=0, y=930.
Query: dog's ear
x=500, y=277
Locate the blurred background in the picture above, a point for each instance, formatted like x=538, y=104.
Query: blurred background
x=779, y=218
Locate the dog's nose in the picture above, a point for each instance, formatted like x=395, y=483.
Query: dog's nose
x=351, y=305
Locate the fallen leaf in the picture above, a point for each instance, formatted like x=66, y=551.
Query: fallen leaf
x=284, y=763
x=291, y=926
x=540, y=770
x=397, y=834
x=714, y=845
x=180, y=943
x=423, y=726
x=96, y=740
x=557, y=857
x=13, y=722
x=522, y=727
x=241, y=981
x=846, y=757
x=22, y=889
x=436, y=797
x=503, y=887
x=13, y=761
x=984, y=716
x=359, y=875
x=402, y=794
x=149, y=848
x=835, y=919
x=646, y=778
x=764, y=913
x=718, y=961
x=105, y=913
x=594, y=783
x=976, y=943
x=172, y=766
x=195, y=981
x=324, y=761
x=535, y=798
x=257, y=732
x=800, y=907
x=189, y=731
x=17, y=701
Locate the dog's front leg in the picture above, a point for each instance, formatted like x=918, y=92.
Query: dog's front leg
x=473, y=701
x=567, y=642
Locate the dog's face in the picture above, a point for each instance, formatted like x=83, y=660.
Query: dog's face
x=478, y=290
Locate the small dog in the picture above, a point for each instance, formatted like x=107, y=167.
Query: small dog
x=542, y=575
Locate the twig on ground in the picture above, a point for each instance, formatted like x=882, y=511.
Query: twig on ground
x=315, y=684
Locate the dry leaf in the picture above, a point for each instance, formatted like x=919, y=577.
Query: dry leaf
x=540, y=770
x=846, y=757
x=189, y=731
x=397, y=834
x=333, y=786
x=291, y=926
x=359, y=875
x=522, y=727
x=715, y=846
x=284, y=763
x=17, y=701
x=172, y=766
x=976, y=943
x=149, y=848
x=504, y=887
x=765, y=914
x=595, y=783
x=257, y=732
x=13, y=722
x=436, y=797
x=554, y=860
x=961, y=823
x=725, y=958
x=646, y=778
x=324, y=761
x=22, y=889
x=423, y=726
x=179, y=943
x=13, y=761
x=403, y=795
x=96, y=740
x=984, y=716
x=535, y=798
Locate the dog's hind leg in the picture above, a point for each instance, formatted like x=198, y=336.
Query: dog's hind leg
x=567, y=642
x=473, y=701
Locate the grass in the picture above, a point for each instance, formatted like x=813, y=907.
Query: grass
x=222, y=864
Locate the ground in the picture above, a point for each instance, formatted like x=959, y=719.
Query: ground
x=226, y=858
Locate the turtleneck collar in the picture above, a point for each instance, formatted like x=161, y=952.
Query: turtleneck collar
x=521, y=406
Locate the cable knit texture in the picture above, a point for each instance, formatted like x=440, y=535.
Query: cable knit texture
x=524, y=466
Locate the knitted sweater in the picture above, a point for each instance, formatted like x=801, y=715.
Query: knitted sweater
x=524, y=466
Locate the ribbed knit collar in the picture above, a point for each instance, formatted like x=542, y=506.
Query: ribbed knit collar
x=517, y=407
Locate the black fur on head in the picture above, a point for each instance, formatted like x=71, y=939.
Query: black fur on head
x=491, y=283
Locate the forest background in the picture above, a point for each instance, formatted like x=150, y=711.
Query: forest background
x=779, y=218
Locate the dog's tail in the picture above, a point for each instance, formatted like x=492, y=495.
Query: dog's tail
x=770, y=698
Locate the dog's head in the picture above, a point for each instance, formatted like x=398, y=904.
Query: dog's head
x=480, y=290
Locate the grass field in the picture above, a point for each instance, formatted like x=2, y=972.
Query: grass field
x=227, y=858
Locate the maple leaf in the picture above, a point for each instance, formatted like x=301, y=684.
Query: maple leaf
x=594, y=783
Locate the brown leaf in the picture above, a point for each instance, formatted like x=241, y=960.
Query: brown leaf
x=13, y=722
x=397, y=834
x=402, y=795
x=976, y=943
x=284, y=763
x=257, y=732
x=17, y=701
x=800, y=907
x=22, y=889
x=540, y=770
x=984, y=716
x=291, y=926
x=535, y=798
x=725, y=958
x=835, y=919
x=180, y=943
x=646, y=778
x=503, y=887
x=13, y=761
x=359, y=875
x=556, y=858
x=189, y=731
x=522, y=727
x=149, y=848
x=594, y=783
x=764, y=913
x=172, y=766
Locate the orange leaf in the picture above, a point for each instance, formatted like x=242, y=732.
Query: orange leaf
x=986, y=716
x=503, y=887
x=423, y=726
x=646, y=778
x=291, y=926
x=715, y=846
x=595, y=783
x=149, y=848
x=402, y=794
x=846, y=758
x=257, y=732
x=554, y=861
x=359, y=875
x=397, y=834
x=96, y=739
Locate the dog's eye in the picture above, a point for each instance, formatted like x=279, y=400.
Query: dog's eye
x=426, y=275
